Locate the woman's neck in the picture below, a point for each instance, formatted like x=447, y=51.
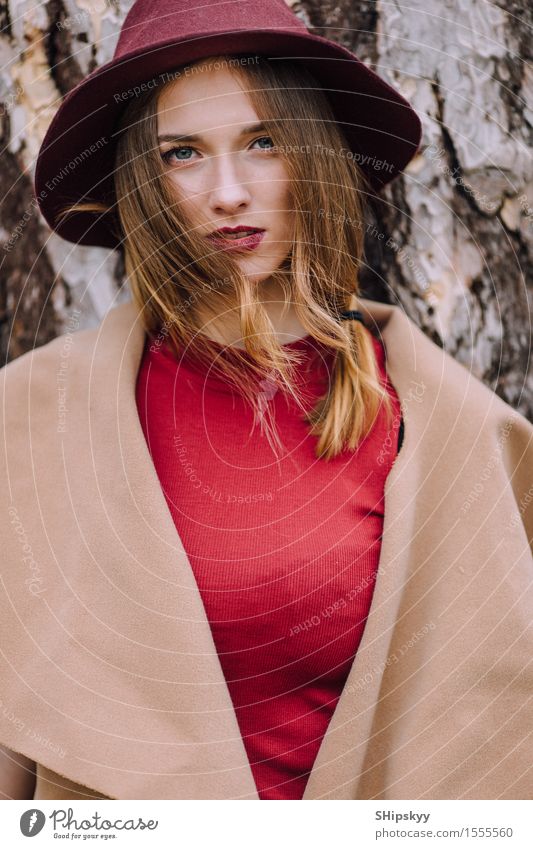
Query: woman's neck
x=226, y=329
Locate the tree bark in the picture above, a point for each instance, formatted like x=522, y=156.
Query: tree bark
x=451, y=240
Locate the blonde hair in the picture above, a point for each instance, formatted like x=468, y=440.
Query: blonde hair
x=169, y=271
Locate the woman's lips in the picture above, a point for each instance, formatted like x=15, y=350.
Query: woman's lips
x=246, y=243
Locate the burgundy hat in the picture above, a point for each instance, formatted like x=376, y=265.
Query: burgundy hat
x=76, y=159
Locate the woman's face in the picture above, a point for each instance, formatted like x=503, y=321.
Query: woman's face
x=225, y=172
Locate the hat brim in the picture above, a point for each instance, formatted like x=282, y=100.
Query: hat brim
x=76, y=158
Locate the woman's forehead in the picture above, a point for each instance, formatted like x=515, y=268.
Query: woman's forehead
x=202, y=91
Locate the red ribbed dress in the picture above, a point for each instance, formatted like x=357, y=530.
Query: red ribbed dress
x=284, y=550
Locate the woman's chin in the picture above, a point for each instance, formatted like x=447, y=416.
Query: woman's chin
x=257, y=272
x=259, y=269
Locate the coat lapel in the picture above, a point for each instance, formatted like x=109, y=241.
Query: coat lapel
x=341, y=757
x=182, y=696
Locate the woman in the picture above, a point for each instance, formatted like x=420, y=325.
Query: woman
x=177, y=642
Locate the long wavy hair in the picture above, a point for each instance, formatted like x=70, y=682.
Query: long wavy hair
x=171, y=275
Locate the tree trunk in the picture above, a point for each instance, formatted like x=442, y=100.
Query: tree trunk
x=451, y=241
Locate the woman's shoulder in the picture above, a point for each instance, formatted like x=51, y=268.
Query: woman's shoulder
x=446, y=406
x=42, y=373
x=119, y=331
x=41, y=360
x=412, y=358
x=35, y=385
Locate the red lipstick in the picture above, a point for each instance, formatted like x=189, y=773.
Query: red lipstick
x=225, y=240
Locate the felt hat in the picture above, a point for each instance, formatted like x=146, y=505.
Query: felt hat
x=76, y=159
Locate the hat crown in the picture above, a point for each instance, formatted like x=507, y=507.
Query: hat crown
x=153, y=22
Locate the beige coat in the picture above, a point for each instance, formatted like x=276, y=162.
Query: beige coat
x=108, y=671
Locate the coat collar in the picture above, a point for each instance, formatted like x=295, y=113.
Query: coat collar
x=128, y=685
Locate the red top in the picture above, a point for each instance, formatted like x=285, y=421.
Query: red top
x=284, y=551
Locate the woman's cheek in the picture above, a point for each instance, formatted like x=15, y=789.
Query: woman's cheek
x=279, y=192
x=187, y=184
x=189, y=195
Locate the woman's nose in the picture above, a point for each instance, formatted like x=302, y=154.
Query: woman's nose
x=229, y=191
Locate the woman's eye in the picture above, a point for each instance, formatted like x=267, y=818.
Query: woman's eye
x=177, y=150
x=265, y=138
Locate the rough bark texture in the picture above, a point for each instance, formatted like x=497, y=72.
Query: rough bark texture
x=458, y=226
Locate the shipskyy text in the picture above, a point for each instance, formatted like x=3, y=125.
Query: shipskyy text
x=392, y=815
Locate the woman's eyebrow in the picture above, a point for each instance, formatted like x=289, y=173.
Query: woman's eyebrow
x=171, y=137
